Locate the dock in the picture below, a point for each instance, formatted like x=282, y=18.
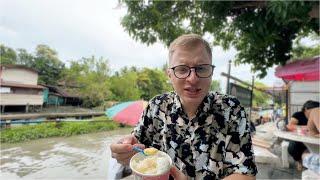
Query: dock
x=4, y=117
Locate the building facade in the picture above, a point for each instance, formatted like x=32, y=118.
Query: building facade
x=19, y=88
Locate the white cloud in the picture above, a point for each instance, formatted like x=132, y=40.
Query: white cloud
x=81, y=28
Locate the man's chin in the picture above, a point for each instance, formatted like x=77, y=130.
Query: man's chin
x=192, y=100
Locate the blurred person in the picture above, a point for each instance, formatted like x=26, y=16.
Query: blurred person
x=296, y=149
x=314, y=122
x=312, y=160
x=207, y=134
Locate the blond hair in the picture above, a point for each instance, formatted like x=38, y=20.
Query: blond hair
x=189, y=41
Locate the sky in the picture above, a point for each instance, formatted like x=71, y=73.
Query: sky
x=82, y=28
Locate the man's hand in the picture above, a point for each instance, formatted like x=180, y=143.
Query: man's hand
x=177, y=175
x=122, y=150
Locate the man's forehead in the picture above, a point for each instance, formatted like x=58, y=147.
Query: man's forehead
x=184, y=55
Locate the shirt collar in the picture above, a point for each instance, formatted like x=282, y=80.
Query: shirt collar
x=177, y=106
x=203, y=107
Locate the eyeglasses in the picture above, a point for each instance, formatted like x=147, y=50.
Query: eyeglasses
x=202, y=71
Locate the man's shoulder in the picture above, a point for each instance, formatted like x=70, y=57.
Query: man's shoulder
x=162, y=98
x=225, y=99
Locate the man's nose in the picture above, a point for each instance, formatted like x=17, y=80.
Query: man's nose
x=193, y=76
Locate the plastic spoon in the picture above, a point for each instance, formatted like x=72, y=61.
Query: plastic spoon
x=147, y=151
x=139, y=150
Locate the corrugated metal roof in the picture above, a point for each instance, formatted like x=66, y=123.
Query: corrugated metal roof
x=300, y=70
x=11, y=66
x=12, y=84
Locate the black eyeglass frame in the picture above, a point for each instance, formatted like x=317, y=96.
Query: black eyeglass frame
x=195, y=70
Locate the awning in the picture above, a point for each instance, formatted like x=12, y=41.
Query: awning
x=20, y=85
x=300, y=70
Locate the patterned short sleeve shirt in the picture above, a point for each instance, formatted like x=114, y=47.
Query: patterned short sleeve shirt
x=212, y=145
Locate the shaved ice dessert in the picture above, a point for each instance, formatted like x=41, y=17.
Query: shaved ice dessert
x=154, y=165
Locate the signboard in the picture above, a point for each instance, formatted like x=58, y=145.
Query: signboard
x=243, y=94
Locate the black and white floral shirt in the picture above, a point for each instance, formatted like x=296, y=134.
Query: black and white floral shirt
x=212, y=145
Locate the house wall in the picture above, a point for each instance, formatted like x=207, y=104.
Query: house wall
x=21, y=99
x=300, y=92
x=19, y=75
x=55, y=100
x=25, y=91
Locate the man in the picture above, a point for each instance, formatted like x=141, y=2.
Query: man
x=206, y=134
x=300, y=118
x=311, y=160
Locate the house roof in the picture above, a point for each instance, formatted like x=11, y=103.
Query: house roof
x=13, y=84
x=300, y=70
x=60, y=91
x=12, y=66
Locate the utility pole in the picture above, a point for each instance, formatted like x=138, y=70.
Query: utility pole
x=228, y=78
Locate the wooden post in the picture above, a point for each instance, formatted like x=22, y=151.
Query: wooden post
x=228, y=78
x=251, y=97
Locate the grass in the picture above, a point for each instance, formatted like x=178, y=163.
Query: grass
x=55, y=129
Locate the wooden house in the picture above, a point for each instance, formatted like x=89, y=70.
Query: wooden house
x=57, y=95
x=19, y=88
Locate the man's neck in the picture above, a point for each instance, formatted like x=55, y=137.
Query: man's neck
x=191, y=111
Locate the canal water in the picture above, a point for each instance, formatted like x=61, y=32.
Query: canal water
x=76, y=157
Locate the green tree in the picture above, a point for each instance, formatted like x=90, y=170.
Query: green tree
x=260, y=99
x=25, y=58
x=261, y=31
x=47, y=63
x=152, y=82
x=215, y=86
x=301, y=51
x=7, y=55
x=91, y=75
x=124, y=85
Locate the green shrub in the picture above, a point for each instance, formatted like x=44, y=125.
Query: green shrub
x=54, y=129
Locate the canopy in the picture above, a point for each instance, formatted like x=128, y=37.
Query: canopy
x=300, y=70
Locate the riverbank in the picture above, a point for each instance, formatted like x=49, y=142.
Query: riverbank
x=56, y=129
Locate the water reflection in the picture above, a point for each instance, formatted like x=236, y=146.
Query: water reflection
x=84, y=157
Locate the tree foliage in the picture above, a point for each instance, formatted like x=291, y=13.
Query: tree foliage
x=48, y=65
x=24, y=58
x=215, y=86
x=152, y=82
x=91, y=76
x=260, y=99
x=261, y=31
x=124, y=85
x=301, y=51
x=7, y=55
x=132, y=83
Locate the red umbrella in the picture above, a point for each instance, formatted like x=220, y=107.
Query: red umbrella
x=127, y=112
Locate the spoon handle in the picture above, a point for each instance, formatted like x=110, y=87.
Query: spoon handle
x=138, y=149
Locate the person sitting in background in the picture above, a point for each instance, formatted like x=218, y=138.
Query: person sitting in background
x=300, y=118
x=312, y=160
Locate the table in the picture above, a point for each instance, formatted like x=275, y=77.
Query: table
x=312, y=143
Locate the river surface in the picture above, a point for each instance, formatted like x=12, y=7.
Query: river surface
x=76, y=157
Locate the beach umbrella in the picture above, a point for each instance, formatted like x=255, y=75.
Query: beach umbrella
x=127, y=113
